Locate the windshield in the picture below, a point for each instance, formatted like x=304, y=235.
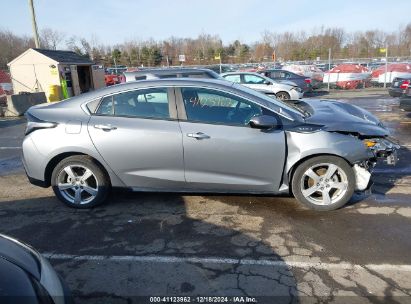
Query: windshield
x=271, y=102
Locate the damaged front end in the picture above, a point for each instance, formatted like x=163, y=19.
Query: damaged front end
x=384, y=149
x=363, y=152
x=380, y=149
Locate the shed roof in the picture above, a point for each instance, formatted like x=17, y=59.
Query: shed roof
x=67, y=57
x=64, y=56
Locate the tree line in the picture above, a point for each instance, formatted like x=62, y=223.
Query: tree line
x=206, y=49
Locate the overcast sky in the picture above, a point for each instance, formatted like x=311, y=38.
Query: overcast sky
x=114, y=21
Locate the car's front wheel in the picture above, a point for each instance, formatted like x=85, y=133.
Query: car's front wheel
x=79, y=182
x=323, y=183
x=283, y=95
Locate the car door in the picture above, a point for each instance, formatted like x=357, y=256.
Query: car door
x=299, y=81
x=221, y=151
x=257, y=83
x=139, y=137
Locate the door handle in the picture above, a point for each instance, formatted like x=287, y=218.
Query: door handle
x=198, y=135
x=105, y=127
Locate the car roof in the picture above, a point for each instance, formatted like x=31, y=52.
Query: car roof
x=250, y=73
x=166, y=82
x=169, y=82
x=241, y=72
x=167, y=71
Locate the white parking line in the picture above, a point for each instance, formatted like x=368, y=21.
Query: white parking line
x=214, y=260
x=10, y=148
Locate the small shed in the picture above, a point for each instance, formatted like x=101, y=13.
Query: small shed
x=60, y=74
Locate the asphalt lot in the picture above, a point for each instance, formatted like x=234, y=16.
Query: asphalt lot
x=267, y=247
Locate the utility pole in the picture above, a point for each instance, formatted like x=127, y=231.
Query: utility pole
x=386, y=65
x=329, y=68
x=34, y=24
x=221, y=69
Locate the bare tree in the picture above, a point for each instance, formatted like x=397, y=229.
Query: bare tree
x=203, y=49
x=51, y=39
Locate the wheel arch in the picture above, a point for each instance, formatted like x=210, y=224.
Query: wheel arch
x=283, y=91
x=59, y=157
x=291, y=171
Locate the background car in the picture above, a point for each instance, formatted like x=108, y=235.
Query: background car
x=27, y=277
x=201, y=135
x=170, y=73
x=398, y=86
x=255, y=81
x=405, y=100
x=111, y=79
x=304, y=83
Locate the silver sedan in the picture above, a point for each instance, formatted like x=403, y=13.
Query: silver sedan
x=191, y=135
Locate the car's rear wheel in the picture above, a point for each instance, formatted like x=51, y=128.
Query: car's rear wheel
x=283, y=96
x=79, y=182
x=323, y=183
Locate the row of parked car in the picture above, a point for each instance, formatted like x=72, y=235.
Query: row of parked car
x=283, y=85
x=400, y=87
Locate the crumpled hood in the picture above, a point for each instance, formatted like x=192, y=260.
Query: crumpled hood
x=344, y=117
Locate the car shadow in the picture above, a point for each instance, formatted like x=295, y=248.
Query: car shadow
x=194, y=248
x=316, y=93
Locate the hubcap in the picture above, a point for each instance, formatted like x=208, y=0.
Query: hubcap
x=282, y=96
x=324, y=184
x=77, y=184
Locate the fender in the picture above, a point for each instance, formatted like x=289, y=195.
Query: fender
x=305, y=145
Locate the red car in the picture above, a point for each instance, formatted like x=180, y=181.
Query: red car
x=111, y=79
x=114, y=75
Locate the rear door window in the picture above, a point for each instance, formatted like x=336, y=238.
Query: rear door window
x=145, y=103
x=253, y=79
x=106, y=106
x=233, y=78
x=275, y=75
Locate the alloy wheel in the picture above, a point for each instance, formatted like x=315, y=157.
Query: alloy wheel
x=77, y=184
x=324, y=184
x=283, y=96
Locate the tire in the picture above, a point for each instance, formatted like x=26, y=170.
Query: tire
x=80, y=182
x=317, y=176
x=283, y=95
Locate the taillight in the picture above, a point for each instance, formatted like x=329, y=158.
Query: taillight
x=33, y=124
x=307, y=80
x=404, y=85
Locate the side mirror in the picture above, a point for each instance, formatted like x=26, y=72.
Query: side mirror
x=263, y=122
x=267, y=82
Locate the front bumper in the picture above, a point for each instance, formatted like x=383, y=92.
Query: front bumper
x=386, y=149
x=296, y=94
x=395, y=92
